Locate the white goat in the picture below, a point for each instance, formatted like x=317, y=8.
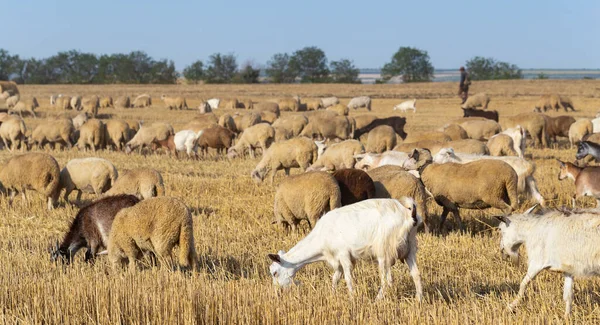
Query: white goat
x=214, y=103
x=596, y=124
x=385, y=229
x=367, y=161
x=519, y=136
x=187, y=140
x=556, y=242
x=524, y=169
x=321, y=146
x=406, y=105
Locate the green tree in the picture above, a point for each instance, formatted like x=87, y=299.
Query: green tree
x=8, y=64
x=344, y=71
x=411, y=63
x=481, y=68
x=279, y=70
x=194, y=72
x=163, y=72
x=221, y=68
x=248, y=74
x=310, y=64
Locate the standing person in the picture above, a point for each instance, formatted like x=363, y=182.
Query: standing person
x=463, y=87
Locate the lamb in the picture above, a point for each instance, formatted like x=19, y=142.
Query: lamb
x=155, y=225
x=452, y=185
x=355, y=185
x=146, y=134
x=395, y=182
x=337, y=156
x=187, y=141
x=288, y=104
x=358, y=102
x=141, y=182
x=257, y=136
x=533, y=123
x=338, y=127
x=406, y=105
x=329, y=101
x=580, y=129
x=117, y=133
x=216, y=137
x=586, y=179
x=382, y=229
x=454, y=131
x=167, y=144
x=89, y=175
x=339, y=109
x=293, y=203
x=227, y=122
x=267, y=106
x=174, y=102
x=526, y=183
x=246, y=120
x=501, y=145
x=313, y=104
x=52, y=131
x=294, y=153
x=477, y=100
x=91, y=134
x=142, y=101
x=123, y=102
x=31, y=171
x=106, y=102
x=76, y=103
x=79, y=120
x=380, y=139
x=396, y=122
x=490, y=115
x=554, y=241
x=91, y=105
x=481, y=130
x=26, y=105
x=12, y=131
x=90, y=228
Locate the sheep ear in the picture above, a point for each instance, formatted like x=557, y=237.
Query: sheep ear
x=531, y=209
x=275, y=258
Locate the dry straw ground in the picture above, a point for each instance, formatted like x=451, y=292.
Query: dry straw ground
x=464, y=278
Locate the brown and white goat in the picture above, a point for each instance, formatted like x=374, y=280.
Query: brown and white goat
x=587, y=180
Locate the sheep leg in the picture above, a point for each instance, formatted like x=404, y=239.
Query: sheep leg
x=287, y=171
x=443, y=218
x=531, y=273
x=78, y=197
x=6, y=144
x=66, y=196
x=568, y=294
x=461, y=225
x=251, y=151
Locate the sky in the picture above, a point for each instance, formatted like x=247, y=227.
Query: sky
x=531, y=34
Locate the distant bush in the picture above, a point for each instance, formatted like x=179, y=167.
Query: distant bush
x=588, y=78
x=481, y=68
x=542, y=76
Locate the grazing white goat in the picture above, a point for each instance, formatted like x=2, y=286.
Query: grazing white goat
x=525, y=169
x=385, y=229
x=555, y=241
x=214, y=103
x=406, y=105
x=366, y=161
x=187, y=140
x=518, y=135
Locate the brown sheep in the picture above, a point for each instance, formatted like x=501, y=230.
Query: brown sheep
x=355, y=185
x=558, y=126
x=216, y=137
x=268, y=117
x=533, y=123
x=490, y=115
x=396, y=122
x=477, y=100
x=90, y=105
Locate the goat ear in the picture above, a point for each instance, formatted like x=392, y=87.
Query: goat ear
x=414, y=154
x=275, y=258
x=502, y=219
x=562, y=164
x=531, y=209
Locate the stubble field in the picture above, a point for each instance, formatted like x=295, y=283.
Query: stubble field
x=464, y=278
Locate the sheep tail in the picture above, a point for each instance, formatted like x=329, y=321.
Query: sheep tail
x=335, y=200
x=187, y=250
x=511, y=189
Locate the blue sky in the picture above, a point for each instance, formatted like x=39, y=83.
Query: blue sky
x=531, y=34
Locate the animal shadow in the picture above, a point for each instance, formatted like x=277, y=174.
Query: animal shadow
x=234, y=270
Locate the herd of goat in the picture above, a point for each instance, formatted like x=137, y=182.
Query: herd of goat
x=363, y=187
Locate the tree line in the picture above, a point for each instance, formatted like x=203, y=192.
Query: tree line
x=306, y=65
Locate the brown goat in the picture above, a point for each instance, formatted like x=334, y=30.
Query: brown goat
x=167, y=144
x=472, y=112
x=355, y=185
x=216, y=137
x=91, y=227
x=587, y=180
x=396, y=122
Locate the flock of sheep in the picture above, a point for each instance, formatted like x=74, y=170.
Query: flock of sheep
x=369, y=180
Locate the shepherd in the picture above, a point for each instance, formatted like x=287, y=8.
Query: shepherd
x=463, y=87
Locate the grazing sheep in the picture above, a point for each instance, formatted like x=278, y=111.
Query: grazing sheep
x=216, y=137
x=293, y=203
x=558, y=126
x=91, y=134
x=13, y=100
x=89, y=175
x=52, y=131
x=61, y=102
x=338, y=127
x=481, y=130
x=381, y=229
x=204, y=108
x=313, y=104
x=337, y=156
x=468, y=146
x=123, y=102
x=141, y=182
x=268, y=117
x=431, y=135
x=289, y=127
x=231, y=103
x=257, y=136
x=329, y=101
x=142, y=101
x=187, y=141
x=174, y=102
x=91, y=105
x=90, y=228
x=76, y=103
x=475, y=185
x=455, y=132
x=406, y=105
x=394, y=182
x=106, y=102
x=117, y=133
x=358, y=102
x=294, y=153
x=9, y=86
x=246, y=120
x=501, y=145
x=555, y=241
x=267, y=106
x=380, y=139
x=202, y=121
x=321, y=114
x=147, y=134
x=553, y=101
x=227, y=122
x=339, y=109
x=472, y=112
x=580, y=129
x=248, y=104
x=355, y=185
x=396, y=122
x=26, y=106
x=432, y=146
x=533, y=123
x=288, y=104
x=518, y=136
x=155, y=225
x=79, y=120
x=477, y=100
x=12, y=132
x=31, y=171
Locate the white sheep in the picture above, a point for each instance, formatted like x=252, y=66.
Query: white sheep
x=406, y=105
x=384, y=229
